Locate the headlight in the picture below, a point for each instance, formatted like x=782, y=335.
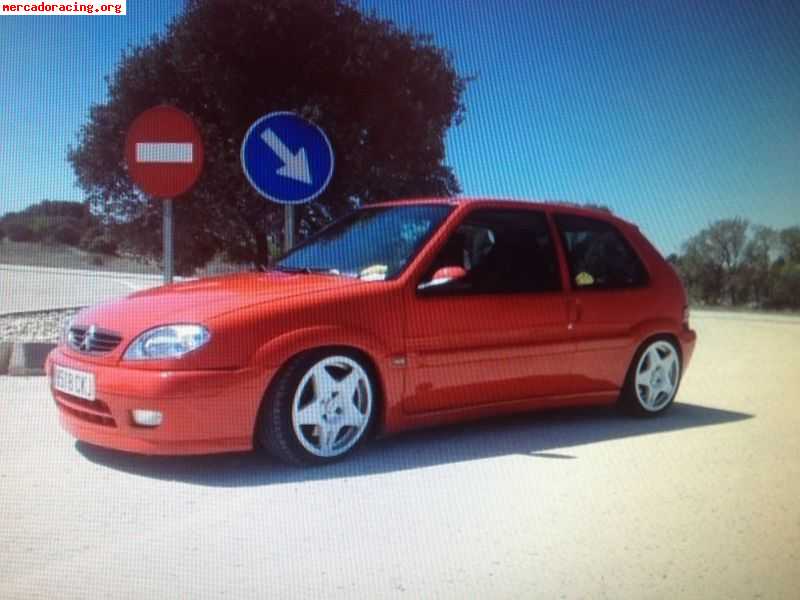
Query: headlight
x=169, y=341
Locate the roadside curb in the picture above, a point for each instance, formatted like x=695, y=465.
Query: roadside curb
x=23, y=359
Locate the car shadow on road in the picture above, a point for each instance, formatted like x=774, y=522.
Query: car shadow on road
x=538, y=435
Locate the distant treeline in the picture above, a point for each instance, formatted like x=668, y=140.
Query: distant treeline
x=58, y=222
x=734, y=263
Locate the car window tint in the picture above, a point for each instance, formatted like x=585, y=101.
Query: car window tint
x=502, y=251
x=598, y=255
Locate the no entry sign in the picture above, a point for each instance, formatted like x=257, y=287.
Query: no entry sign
x=164, y=152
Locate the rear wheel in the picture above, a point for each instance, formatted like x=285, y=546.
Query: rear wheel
x=653, y=378
x=319, y=408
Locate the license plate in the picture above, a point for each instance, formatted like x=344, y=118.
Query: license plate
x=74, y=383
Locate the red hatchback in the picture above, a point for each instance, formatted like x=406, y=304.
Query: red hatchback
x=400, y=315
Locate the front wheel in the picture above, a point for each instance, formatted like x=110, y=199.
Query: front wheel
x=319, y=408
x=653, y=378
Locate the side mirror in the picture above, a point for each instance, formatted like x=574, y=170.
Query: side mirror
x=444, y=275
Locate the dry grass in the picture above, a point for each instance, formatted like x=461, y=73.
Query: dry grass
x=35, y=254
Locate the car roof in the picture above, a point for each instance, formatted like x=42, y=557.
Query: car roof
x=544, y=205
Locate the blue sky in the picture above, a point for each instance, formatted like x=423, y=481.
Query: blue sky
x=673, y=113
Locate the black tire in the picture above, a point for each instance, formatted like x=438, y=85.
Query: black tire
x=631, y=397
x=275, y=430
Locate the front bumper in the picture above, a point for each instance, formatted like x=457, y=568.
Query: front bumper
x=203, y=411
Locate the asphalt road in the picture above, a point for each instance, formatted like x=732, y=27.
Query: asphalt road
x=701, y=503
x=45, y=288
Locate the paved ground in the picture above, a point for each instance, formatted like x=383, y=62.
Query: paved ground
x=45, y=288
x=701, y=503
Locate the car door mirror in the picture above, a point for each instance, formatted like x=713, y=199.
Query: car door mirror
x=442, y=276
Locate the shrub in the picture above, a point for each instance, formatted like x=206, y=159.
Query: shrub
x=787, y=287
x=67, y=234
x=97, y=240
x=17, y=232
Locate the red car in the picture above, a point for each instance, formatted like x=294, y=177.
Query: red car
x=399, y=315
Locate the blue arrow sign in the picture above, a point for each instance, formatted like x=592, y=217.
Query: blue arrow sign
x=286, y=158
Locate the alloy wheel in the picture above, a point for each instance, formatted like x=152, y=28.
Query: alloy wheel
x=657, y=376
x=332, y=406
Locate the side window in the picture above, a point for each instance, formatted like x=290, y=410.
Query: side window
x=502, y=252
x=599, y=257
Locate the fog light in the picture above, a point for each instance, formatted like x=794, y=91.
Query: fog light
x=147, y=418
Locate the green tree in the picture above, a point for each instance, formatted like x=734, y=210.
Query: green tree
x=785, y=271
x=19, y=232
x=786, y=285
x=703, y=278
x=51, y=221
x=65, y=209
x=67, y=234
x=726, y=242
x=790, y=244
x=385, y=96
x=99, y=239
x=712, y=261
x=755, y=271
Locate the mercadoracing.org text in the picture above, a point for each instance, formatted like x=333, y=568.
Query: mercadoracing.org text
x=87, y=7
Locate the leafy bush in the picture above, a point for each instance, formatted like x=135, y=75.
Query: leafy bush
x=18, y=232
x=786, y=287
x=99, y=245
x=67, y=234
x=97, y=239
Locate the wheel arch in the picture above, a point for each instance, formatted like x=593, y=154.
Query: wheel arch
x=649, y=330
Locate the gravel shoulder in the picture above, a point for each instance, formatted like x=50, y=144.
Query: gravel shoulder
x=38, y=326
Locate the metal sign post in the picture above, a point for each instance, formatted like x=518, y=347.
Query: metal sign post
x=169, y=246
x=164, y=156
x=288, y=227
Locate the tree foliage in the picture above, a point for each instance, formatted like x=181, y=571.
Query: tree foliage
x=384, y=96
x=790, y=244
x=51, y=221
x=713, y=258
x=734, y=263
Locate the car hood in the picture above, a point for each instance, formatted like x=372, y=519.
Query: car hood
x=200, y=300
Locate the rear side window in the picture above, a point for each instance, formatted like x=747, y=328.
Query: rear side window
x=599, y=257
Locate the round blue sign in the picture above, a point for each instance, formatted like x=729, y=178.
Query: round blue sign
x=286, y=158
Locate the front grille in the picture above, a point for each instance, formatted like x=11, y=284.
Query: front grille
x=92, y=340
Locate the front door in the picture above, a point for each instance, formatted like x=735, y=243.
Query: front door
x=499, y=333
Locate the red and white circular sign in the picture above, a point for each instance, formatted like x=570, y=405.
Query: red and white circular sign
x=164, y=152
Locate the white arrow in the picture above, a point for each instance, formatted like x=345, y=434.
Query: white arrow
x=295, y=166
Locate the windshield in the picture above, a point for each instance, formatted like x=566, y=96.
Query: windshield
x=372, y=243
